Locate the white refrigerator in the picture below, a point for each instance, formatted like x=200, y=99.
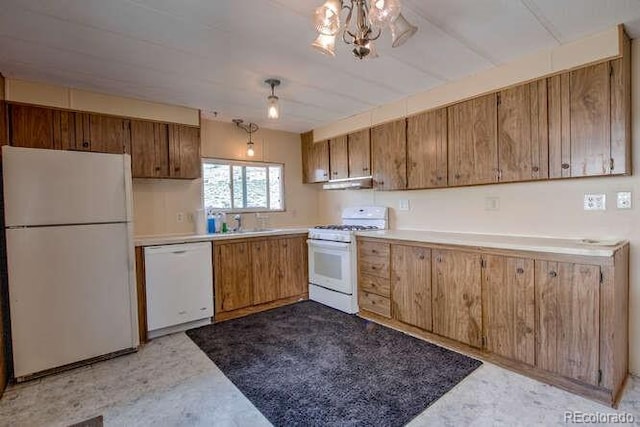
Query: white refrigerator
x=70, y=257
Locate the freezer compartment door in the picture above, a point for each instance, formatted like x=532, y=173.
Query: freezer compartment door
x=70, y=294
x=47, y=187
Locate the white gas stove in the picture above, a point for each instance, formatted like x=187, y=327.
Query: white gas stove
x=332, y=256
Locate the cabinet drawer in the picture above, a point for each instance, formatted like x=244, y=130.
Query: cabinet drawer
x=375, y=303
x=373, y=249
x=375, y=285
x=374, y=266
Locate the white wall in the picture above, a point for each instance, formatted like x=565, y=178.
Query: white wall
x=549, y=208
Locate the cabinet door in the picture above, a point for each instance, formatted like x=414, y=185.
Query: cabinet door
x=508, y=307
x=621, y=111
x=30, y=127
x=232, y=276
x=411, y=285
x=266, y=266
x=427, y=150
x=567, y=319
x=456, y=301
x=473, y=141
x=580, y=122
x=102, y=134
x=338, y=161
x=389, y=155
x=184, y=152
x=149, y=149
x=523, y=133
x=359, y=148
x=315, y=159
x=294, y=267
x=4, y=140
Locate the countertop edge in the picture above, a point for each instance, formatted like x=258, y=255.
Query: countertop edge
x=192, y=238
x=479, y=241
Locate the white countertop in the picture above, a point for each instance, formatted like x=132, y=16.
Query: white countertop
x=190, y=238
x=605, y=247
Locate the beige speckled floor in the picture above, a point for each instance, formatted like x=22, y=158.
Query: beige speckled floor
x=170, y=382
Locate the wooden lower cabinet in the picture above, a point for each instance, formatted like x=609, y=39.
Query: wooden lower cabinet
x=561, y=319
x=232, y=279
x=456, y=297
x=568, y=323
x=411, y=285
x=258, y=273
x=508, y=308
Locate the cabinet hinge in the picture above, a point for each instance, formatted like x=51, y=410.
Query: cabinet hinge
x=611, y=164
x=483, y=263
x=499, y=98
x=610, y=70
x=599, y=376
x=601, y=278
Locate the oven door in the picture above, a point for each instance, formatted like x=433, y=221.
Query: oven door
x=330, y=265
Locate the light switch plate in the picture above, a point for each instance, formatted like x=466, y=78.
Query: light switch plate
x=595, y=202
x=623, y=199
x=403, y=204
x=492, y=203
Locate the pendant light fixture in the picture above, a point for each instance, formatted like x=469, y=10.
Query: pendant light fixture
x=249, y=128
x=273, y=109
x=364, y=22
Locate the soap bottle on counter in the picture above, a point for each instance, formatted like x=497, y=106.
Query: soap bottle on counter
x=211, y=223
x=223, y=223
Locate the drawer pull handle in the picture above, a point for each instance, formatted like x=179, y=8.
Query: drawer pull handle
x=535, y=168
x=373, y=251
x=553, y=274
x=178, y=252
x=203, y=308
x=373, y=267
x=520, y=270
x=85, y=144
x=421, y=257
x=565, y=166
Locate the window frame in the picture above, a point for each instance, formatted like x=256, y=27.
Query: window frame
x=231, y=163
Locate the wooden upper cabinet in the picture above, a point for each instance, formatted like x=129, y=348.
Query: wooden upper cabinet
x=508, y=305
x=184, y=152
x=589, y=121
x=338, y=158
x=232, y=281
x=567, y=321
x=102, y=134
x=359, y=148
x=411, y=285
x=523, y=133
x=473, y=141
x=456, y=296
x=38, y=127
x=149, y=149
x=427, y=150
x=315, y=160
x=389, y=155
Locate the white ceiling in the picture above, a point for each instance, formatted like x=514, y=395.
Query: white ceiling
x=215, y=54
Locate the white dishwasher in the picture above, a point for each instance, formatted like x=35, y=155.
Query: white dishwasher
x=179, y=287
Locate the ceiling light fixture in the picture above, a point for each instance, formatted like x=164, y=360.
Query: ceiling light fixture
x=273, y=109
x=371, y=17
x=249, y=128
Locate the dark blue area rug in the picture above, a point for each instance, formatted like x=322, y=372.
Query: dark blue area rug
x=309, y=365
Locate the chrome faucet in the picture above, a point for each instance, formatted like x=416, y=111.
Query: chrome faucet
x=238, y=220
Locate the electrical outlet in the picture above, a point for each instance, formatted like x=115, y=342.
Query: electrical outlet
x=403, y=204
x=180, y=217
x=623, y=199
x=595, y=202
x=492, y=203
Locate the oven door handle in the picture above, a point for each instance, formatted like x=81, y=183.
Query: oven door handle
x=327, y=244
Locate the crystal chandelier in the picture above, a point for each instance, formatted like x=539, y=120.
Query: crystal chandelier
x=364, y=22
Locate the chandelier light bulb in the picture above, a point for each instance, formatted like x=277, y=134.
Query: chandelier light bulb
x=401, y=31
x=326, y=18
x=383, y=12
x=325, y=44
x=250, y=151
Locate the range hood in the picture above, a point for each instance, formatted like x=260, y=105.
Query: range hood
x=349, y=183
